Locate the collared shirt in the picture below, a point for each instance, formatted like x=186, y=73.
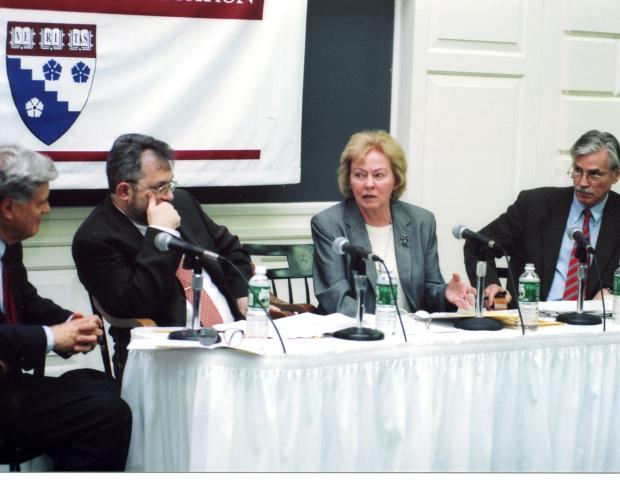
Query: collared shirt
x=49, y=335
x=575, y=220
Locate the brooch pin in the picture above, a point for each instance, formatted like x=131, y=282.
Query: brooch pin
x=404, y=240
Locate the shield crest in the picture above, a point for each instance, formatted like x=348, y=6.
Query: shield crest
x=50, y=68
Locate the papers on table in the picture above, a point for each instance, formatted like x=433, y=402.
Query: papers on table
x=589, y=306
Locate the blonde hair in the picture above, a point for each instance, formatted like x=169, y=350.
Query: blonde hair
x=363, y=142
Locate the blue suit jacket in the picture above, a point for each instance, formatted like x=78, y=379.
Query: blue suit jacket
x=415, y=244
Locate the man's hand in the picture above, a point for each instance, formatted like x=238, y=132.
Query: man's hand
x=78, y=335
x=489, y=295
x=605, y=292
x=161, y=214
x=242, y=305
x=459, y=293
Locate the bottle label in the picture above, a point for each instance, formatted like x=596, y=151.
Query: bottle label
x=529, y=292
x=258, y=296
x=616, y=284
x=384, y=294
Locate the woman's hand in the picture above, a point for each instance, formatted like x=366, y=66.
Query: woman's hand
x=459, y=293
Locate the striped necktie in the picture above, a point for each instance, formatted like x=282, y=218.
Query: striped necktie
x=209, y=314
x=572, y=280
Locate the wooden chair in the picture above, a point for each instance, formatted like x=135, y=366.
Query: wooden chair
x=299, y=258
x=129, y=323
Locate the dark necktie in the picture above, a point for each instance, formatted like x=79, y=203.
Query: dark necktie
x=7, y=293
x=570, y=289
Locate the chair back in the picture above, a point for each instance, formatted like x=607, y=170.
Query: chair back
x=103, y=342
x=299, y=259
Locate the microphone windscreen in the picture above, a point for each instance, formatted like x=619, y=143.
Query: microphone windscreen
x=572, y=231
x=457, y=231
x=338, y=243
x=161, y=241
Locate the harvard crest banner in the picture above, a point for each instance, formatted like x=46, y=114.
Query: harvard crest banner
x=219, y=80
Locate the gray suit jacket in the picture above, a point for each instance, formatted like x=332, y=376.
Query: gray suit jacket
x=415, y=244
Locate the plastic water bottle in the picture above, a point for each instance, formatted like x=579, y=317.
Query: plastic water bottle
x=385, y=309
x=616, y=316
x=257, y=323
x=529, y=296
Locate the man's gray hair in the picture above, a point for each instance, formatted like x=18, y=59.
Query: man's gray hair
x=22, y=171
x=595, y=141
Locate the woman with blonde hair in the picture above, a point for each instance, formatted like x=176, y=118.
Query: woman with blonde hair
x=372, y=177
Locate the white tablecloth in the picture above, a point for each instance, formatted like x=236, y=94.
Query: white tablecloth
x=448, y=401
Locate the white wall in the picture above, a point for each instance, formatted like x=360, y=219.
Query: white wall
x=488, y=96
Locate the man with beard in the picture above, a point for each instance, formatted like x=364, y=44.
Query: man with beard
x=535, y=228
x=118, y=262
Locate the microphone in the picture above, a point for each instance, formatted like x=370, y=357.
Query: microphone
x=576, y=234
x=341, y=245
x=164, y=242
x=462, y=232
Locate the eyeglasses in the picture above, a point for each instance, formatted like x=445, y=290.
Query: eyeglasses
x=210, y=336
x=159, y=191
x=594, y=175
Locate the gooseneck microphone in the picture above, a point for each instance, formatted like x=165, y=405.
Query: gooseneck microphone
x=165, y=241
x=462, y=232
x=341, y=245
x=576, y=234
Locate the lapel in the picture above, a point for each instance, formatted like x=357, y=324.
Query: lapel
x=608, y=239
x=357, y=235
x=401, y=223
x=553, y=226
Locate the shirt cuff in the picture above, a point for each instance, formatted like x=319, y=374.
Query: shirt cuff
x=172, y=232
x=50, y=338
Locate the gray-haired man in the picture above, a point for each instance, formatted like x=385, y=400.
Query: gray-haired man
x=78, y=420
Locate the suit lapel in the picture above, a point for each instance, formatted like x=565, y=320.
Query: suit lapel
x=401, y=223
x=553, y=227
x=608, y=239
x=357, y=234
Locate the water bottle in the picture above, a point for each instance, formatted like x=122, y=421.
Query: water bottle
x=616, y=316
x=385, y=308
x=257, y=323
x=529, y=296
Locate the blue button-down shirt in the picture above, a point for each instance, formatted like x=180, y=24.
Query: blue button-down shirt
x=575, y=220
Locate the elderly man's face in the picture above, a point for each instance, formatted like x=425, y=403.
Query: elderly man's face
x=592, y=178
x=21, y=220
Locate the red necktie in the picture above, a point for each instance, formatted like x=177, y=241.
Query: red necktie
x=572, y=281
x=7, y=293
x=209, y=315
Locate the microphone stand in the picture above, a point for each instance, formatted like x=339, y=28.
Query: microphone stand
x=580, y=317
x=358, y=332
x=196, y=292
x=478, y=321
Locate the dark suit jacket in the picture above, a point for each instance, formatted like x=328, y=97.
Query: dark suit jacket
x=21, y=346
x=531, y=231
x=417, y=258
x=131, y=278
x=31, y=309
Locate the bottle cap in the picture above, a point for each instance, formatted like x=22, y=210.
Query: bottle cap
x=260, y=269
